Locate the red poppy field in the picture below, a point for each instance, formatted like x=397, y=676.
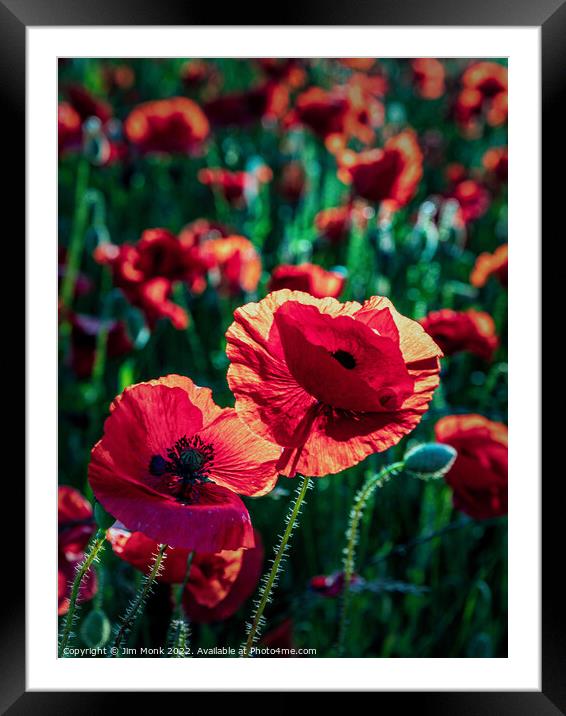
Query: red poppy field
x=282, y=358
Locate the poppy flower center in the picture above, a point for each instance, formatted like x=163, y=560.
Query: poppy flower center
x=345, y=359
x=187, y=467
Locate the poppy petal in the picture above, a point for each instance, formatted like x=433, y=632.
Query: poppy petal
x=242, y=461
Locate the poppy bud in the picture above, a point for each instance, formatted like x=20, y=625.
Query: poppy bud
x=103, y=519
x=95, y=629
x=430, y=461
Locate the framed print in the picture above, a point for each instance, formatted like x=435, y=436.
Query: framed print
x=275, y=406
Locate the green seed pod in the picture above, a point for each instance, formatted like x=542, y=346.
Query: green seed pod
x=103, y=519
x=430, y=461
x=95, y=629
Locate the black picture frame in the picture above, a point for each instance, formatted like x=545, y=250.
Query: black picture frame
x=550, y=16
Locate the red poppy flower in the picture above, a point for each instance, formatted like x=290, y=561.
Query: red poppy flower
x=484, y=90
x=473, y=198
x=490, y=265
x=288, y=71
x=84, y=336
x=429, y=75
x=236, y=262
x=235, y=187
x=87, y=105
x=495, y=162
x=198, y=73
x=279, y=638
x=323, y=112
x=147, y=271
x=218, y=583
x=479, y=475
x=76, y=523
x=330, y=382
x=170, y=126
x=192, y=238
x=268, y=101
x=362, y=64
x=335, y=223
x=68, y=127
x=457, y=331
x=293, y=181
x=332, y=585
x=393, y=172
x=171, y=462
x=118, y=77
x=366, y=111
x=67, y=569
x=76, y=526
x=309, y=278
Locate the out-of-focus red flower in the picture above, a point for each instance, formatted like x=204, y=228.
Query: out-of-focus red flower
x=484, y=90
x=236, y=265
x=68, y=127
x=336, y=115
x=330, y=382
x=309, y=278
x=75, y=520
x=362, y=64
x=479, y=475
x=153, y=297
x=331, y=585
x=491, y=265
x=87, y=105
x=457, y=331
x=429, y=76
x=393, y=172
x=366, y=111
x=280, y=637
x=292, y=181
x=170, y=126
x=118, y=77
x=148, y=270
x=218, y=583
x=84, y=336
x=474, y=199
x=286, y=70
x=495, y=162
x=335, y=223
x=85, y=122
x=200, y=73
x=171, y=462
x=235, y=187
x=76, y=526
x=192, y=238
x=324, y=112
x=269, y=101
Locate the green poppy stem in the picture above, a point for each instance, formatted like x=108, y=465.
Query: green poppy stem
x=356, y=513
x=92, y=551
x=270, y=579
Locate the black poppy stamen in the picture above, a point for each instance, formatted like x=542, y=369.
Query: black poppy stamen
x=345, y=359
x=188, y=465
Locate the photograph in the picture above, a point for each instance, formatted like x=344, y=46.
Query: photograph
x=282, y=357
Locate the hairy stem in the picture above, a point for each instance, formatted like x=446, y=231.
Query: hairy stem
x=270, y=579
x=136, y=607
x=360, y=500
x=92, y=551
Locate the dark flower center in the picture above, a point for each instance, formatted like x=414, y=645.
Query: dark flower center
x=187, y=466
x=345, y=359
